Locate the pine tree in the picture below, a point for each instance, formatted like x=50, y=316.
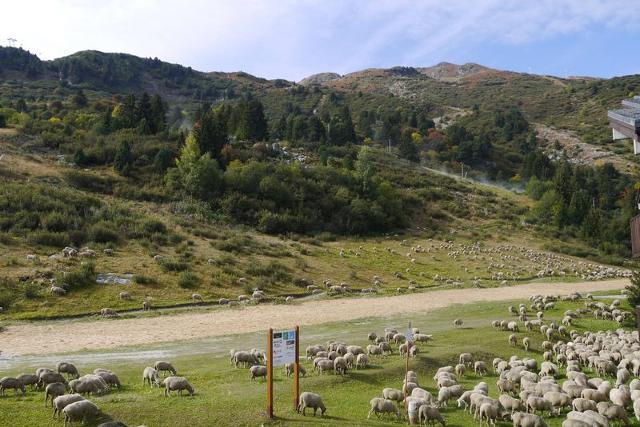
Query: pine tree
x=123, y=160
x=158, y=115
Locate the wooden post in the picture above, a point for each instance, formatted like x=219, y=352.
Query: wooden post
x=270, y=374
x=296, y=372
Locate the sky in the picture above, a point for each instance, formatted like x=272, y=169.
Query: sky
x=293, y=39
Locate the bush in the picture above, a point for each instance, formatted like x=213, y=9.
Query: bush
x=48, y=238
x=152, y=226
x=31, y=290
x=143, y=280
x=103, y=232
x=83, y=277
x=188, y=280
x=171, y=265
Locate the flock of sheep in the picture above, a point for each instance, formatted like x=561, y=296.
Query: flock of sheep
x=65, y=389
x=529, y=391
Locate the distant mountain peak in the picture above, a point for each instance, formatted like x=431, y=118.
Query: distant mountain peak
x=447, y=70
x=319, y=78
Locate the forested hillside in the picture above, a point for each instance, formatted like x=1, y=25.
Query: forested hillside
x=337, y=154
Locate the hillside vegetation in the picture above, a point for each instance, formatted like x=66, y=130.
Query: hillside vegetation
x=218, y=184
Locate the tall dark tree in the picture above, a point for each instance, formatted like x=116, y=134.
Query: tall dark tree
x=123, y=160
x=408, y=149
x=158, y=114
x=210, y=133
x=251, y=123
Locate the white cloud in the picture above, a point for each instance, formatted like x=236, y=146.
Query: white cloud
x=287, y=38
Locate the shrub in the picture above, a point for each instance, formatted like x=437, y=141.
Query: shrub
x=103, y=232
x=188, y=280
x=141, y=279
x=31, y=290
x=172, y=265
x=48, y=238
x=83, y=277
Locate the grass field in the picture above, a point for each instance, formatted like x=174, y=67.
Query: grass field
x=226, y=396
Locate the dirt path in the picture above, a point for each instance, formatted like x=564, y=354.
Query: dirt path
x=69, y=336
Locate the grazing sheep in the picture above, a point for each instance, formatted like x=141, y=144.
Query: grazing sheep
x=52, y=391
x=535, y=403
x=430, y=415
x=14, y=383
x=69, y=369
x=447, y=393
x=81, y=411
x=197, y=297
x=150, y=375
x=513, y=341
x=374, y=350
x=313, y=401
x=146, y=305
x=385, y=347
x=362, y=361
x=466, y=359
x=88, y=384
x=324, y=365
x=480, y=368
x=580, y=405
x=64, y=400
x=109, y=377
x=177, y=384
x=108, y=312
x=124, y=296
x=393, y=394
x=522, y=419
x=372, y=336
x=257, y=371
x=289, y=369
x=382, y=406
x=460, y=368
x=613, y=412
x=28, y=379
x=50, y=377
x=526, y=343
x=162, y=366
x=575, y=423
x=488, y=411
x=510, y=404
x=506, y=386
x=340, y=365
x=457, y=323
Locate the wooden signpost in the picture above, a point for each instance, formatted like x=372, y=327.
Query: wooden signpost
x=283, y=347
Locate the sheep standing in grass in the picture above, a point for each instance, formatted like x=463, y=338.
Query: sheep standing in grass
x=457, y=323
x=81, y=410
x=526, y=343
x=14, y=383
x=28, y=379
x=313, y=401
x=52, y=391
x=49, y=378
x=88, y=384
x=393, y=394
x=382, y=406
x=62, y=401
x=69, y=369
x=197, y=297
x=258, y=371
x=522, y=419
x=150, y=375
x=362, y=361
x=430, y=414
x=109, y=377
x=125, y=296
x=163, y=366
x=178, y=384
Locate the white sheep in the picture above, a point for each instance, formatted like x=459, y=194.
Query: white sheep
x=382, y=406
x=313, y=401
x=177, y=384
x=150, y=375
x=81, y=410
x=62, y=401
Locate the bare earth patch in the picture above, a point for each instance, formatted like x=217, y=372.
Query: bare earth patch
x=69, y=336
